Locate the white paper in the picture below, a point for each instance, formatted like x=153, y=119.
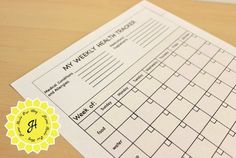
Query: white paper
x=146, y=84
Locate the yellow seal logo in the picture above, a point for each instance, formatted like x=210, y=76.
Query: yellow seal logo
x=32, y=125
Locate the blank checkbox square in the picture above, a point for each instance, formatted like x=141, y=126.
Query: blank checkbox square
x=220, y=151
x=118, y=104
x=182, y=124
x=213, y=120
x=167, y=142
x=218, y=81
x=213, y=61
x=166, y=112
x=164, y=87
x=234, y=90
x=176, y=74
x=224, y=104
x=221, y=51
x=149, y=76
x=192, y=84
x=134, y=116
x=195, y=108
x=150, y=101
x=232, y=133
x=179, y=97
x=228, y=69
x=188, y=62
x=150, y=129
x=173, y=54
x=203, y=72
x=134, y=89
x=162, y=65
x=200, y=137
x=208, y=94
x=198, y=52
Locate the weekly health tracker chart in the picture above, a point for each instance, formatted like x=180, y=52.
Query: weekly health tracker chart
x=145, y=85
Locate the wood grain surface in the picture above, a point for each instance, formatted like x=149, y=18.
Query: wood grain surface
x=32, y=31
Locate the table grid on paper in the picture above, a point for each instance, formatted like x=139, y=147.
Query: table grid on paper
x=180, y=103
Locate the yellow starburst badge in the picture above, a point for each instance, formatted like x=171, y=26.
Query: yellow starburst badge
x=32, y=125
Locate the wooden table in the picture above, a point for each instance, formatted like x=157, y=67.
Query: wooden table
x=32, y=31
